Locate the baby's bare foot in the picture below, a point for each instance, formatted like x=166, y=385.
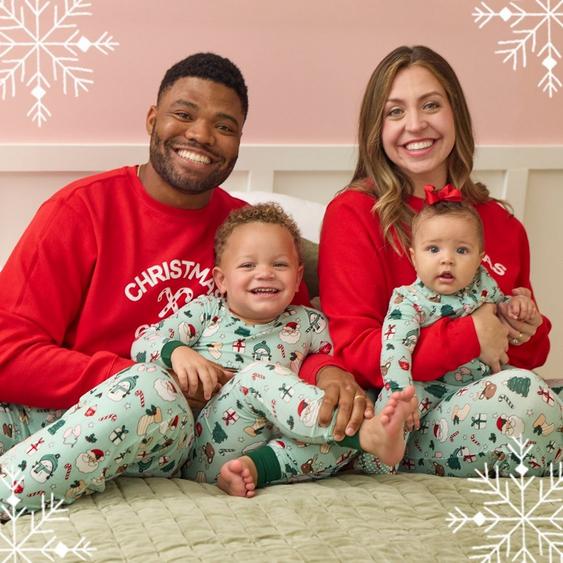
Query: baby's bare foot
x=383, y=435
x=238, y=477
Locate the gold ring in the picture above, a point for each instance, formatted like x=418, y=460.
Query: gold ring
x=520, y=336
x=358, y=397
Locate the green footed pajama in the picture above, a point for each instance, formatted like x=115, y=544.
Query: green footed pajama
x=137, y=423
x=469, y=416
x=270, y=414
x=467, y=424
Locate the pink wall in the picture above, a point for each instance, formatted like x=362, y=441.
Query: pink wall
x=306, y=64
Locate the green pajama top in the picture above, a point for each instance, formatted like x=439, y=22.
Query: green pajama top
x=414, y=306
x=207, y=326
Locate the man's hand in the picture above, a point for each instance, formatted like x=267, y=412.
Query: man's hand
x=342, y=392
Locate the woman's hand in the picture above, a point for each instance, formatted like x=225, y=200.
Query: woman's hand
x=523, y=328
x=492, y=335
x=342, y=392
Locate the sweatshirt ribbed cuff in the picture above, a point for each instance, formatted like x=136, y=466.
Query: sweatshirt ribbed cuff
x=167, y=349
x=267, y=465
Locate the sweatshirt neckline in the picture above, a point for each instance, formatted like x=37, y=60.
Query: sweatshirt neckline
x=163, y=208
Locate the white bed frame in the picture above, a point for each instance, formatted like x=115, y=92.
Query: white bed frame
x=529, y=177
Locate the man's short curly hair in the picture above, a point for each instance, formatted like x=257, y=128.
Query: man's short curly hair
x=207, y=66
x=269, y=212
x=457, y=208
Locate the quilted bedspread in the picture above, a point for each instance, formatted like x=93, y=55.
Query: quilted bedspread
x=346, y=518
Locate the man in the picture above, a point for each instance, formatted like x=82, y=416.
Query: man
x=111, y=253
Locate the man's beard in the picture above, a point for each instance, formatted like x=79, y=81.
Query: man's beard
x=160, y=161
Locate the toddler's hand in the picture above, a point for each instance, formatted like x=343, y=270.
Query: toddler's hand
x=191, y=368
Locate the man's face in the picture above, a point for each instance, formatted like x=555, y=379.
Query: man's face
x=195, y=135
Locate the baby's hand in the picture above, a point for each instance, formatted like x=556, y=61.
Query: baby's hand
x=520, y=306
x=191, y=367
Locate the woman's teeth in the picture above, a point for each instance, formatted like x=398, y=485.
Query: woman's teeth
x=418, y=145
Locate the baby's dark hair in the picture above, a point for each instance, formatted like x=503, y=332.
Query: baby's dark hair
x=207, y=66
x=268, y=212
x=457, y=208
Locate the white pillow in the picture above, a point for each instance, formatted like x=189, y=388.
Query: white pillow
x=307, y=214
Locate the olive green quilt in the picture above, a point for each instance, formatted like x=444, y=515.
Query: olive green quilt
x=346, y=518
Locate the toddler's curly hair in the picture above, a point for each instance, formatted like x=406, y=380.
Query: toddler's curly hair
x=268, y=212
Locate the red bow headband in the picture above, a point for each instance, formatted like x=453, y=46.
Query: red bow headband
x=447, y=193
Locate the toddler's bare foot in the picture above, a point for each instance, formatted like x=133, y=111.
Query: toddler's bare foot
x=383, y=435
x=238, y=477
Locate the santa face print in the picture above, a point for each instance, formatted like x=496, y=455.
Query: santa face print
x=259, y=271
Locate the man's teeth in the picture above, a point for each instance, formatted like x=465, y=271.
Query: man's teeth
x=264, y=290
x=418, y=145
x=196, y=157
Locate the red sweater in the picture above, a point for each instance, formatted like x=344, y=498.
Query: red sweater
x=358, y=271
x=100, y=260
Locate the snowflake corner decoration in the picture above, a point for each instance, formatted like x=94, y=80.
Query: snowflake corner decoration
x=534, y=31
x=509, y=520
x=16, y=548
x=40, y=44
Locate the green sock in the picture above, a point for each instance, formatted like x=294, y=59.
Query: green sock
x=267, y=465
x=351, y=442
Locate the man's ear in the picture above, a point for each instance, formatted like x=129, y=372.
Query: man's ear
x=151, y=119
x=219, y=278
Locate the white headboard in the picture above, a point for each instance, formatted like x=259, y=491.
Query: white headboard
x=529, y=177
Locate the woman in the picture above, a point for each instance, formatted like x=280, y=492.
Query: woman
x=415, y=129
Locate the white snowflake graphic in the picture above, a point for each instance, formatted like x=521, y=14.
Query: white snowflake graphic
x=18, y=549
x=40, y=44
x=524, y=522
x=534, y=30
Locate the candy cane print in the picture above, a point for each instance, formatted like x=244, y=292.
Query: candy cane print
x=139, y=393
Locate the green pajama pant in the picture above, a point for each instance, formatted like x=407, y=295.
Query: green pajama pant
x=266, y=404
x=137, y=423
x=468, y=421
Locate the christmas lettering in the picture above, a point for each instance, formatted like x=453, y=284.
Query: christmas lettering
x=175, y=269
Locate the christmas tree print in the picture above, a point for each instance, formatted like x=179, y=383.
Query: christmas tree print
x=447, y=311
x=436, y=389
x=520, y=385
x=219, y=435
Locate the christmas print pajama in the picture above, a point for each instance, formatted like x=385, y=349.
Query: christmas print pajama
x=266, y=405
x=137, y=423
x=468, y=416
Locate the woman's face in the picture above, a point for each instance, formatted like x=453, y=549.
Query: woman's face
x=418, y=131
